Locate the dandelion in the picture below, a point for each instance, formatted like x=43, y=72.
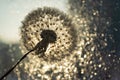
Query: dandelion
x=50, y=35
x=54, y=32
x=49, y=19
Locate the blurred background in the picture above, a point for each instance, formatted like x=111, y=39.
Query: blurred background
x=12, y=12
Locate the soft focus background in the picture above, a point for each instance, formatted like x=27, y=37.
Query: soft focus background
x=12, y=12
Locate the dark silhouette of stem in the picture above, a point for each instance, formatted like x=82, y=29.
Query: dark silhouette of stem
x=15, y=65
x=40, y=47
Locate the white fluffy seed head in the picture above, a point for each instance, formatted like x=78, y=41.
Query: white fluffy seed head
x=49, y=19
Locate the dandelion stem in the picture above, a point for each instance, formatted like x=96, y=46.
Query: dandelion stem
x=48, y=36
x=15, y=65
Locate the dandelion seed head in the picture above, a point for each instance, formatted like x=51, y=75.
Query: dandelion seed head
x=58, y=27
x=43, y=19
